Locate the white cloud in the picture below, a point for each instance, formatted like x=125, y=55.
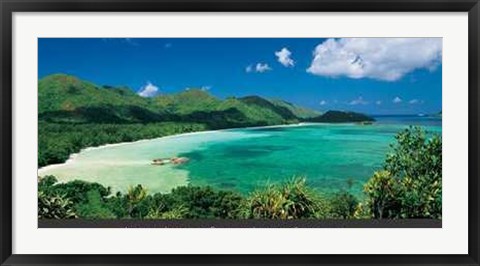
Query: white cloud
x=323, y=102
x=259, y=68
x=413, y=101
x=206, y=88
x=148, y=90
x=386, y=59
x=283, y=56
x=397, y=100
x=378, y=102
x=358, y=101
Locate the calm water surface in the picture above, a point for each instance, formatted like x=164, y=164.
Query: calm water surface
x=330, y=156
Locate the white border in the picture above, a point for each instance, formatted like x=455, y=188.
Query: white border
x=451, y=239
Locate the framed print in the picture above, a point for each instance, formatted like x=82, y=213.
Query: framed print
x=237, y=132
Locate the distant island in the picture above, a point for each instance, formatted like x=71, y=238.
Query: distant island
x=341, y=117
x=75, y=114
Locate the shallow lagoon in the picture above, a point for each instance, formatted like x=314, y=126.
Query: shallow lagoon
x=330, y=156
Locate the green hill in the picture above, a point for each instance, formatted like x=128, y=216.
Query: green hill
x=341, y=117
x=67, y=99
x=64, y=98
x=298, y=111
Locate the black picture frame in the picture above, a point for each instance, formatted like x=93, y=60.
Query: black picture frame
x=8, y=7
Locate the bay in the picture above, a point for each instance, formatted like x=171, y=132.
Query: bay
x=332, y=157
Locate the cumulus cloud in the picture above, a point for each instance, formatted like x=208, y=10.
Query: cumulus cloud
x=259, y=68
x=387, y=59
x=148, y=90
x=397, y=100
x=358, y=101
x=283, y=57
x=323, y=102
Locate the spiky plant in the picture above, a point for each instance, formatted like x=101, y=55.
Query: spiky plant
x=291, y=200
x=176, y=213
x=55, y=207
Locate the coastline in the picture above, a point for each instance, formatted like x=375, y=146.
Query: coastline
x=72, y=157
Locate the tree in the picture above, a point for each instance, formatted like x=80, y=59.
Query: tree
x=134, y=196
x=410, y=186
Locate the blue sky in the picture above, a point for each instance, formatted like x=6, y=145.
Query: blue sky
x=370, y=75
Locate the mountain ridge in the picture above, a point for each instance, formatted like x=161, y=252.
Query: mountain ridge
x=67, y=99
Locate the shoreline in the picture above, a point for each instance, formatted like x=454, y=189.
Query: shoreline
x=72, y=156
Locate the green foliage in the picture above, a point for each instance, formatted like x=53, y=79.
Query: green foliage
x=94, y=207
x=118, y=205
x=135, y=196
x=204, y=202
x=343, y=205
x=410, y=186
x=292, y=200
x=76, y=190
x=298, y=111
x=54, y=207
x=176, y=213
x=416, y=155
x=383, y=193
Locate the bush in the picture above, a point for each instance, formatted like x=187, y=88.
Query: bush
x=204, y=202
x=94, y=207
x=343, y=205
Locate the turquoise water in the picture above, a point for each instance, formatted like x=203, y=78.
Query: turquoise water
x=330, y=156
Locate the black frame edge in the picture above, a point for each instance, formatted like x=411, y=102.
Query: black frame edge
x=7, y=7
x=6, y=133
x=242, y=5
x=473, y=134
